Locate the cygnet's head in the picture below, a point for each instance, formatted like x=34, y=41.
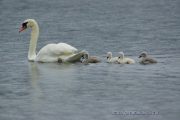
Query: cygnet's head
x=121, y=54
x=85, y=57
x=143, y=54
x=29, y=23
x=109, y=55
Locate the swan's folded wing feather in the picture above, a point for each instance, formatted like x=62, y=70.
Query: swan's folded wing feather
x=66, y=47
x=55, y=51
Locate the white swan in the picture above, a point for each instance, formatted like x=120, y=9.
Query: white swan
x=50, y=52
x=111, y=59
x=124, y=60
x=145, y=59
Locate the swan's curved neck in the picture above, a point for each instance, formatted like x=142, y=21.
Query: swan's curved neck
x=33, y=42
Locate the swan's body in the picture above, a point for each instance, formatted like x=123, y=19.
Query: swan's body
x=50, y=52
x=145, y=59
x=124, y=60
x=111, y=59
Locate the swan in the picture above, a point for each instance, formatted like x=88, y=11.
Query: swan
x=89, y=59
x=111, y=59
x=50, y=52
x=146, y=59
x=124, y=60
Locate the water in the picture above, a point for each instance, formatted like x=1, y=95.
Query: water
x=49, y=91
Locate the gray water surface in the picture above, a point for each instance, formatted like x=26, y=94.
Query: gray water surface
x=52, y=91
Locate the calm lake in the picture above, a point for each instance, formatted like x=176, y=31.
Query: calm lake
x=52, y=91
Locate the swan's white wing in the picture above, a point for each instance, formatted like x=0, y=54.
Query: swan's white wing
x=51, y=52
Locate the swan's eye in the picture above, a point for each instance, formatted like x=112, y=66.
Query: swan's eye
x=24, y=25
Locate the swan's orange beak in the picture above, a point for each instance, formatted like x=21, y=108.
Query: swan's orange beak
x=21, y=29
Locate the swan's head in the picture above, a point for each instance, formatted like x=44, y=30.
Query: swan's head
x=109, y=55
x=143, y=54
x=29, y=23
x=121, y=55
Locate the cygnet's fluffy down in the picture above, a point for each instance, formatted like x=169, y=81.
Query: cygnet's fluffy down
x=111, y=59
x=124, y=60
x=146, y=59
x=90, y=59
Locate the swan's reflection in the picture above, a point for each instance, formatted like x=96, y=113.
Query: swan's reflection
x=46, y=78
x=36, y=90
x=46, y=74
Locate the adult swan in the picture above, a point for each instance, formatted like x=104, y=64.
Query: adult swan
x=50, y=52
